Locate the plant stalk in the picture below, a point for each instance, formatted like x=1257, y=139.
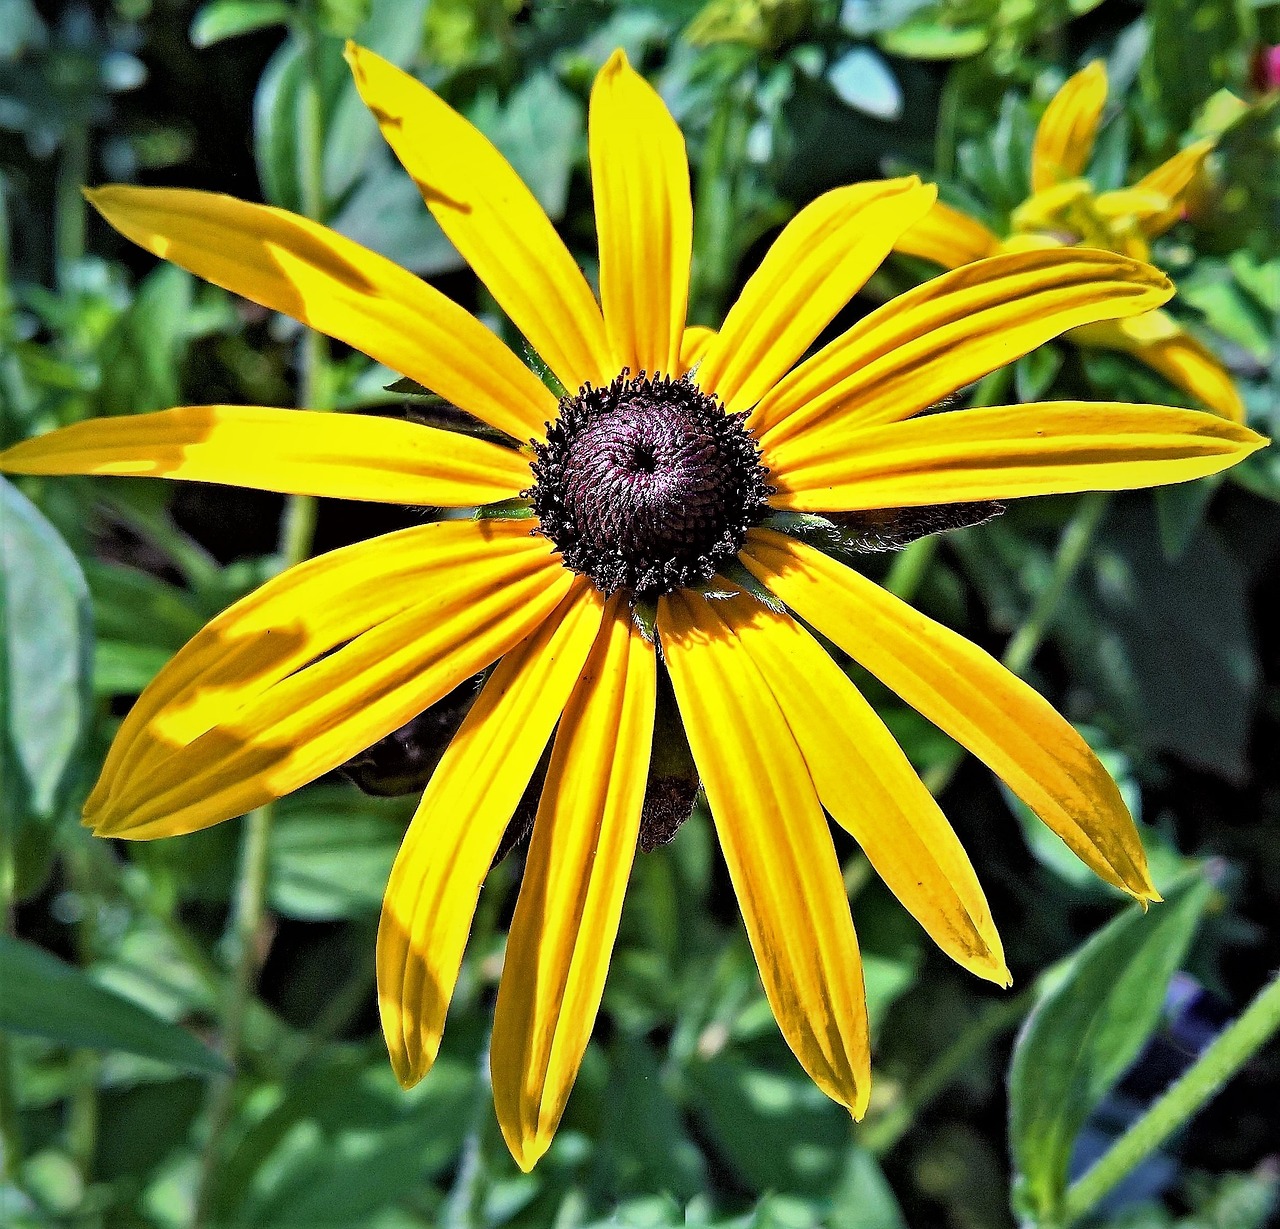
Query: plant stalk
x=296, y=535
x=1238, y=1043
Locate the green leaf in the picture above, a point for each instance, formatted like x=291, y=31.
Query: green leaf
x=742, y=1104
x=275, y=126
x=1035, y=372
x=864, y=1199
x=331, y=852
x=1085, y=1032
x=229, y=18
x=925, y=40
x=138, y=608
x=44, y=635
x=43, y=997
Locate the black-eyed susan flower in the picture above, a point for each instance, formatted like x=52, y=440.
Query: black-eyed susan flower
x=661, y=483
x=1065, y=208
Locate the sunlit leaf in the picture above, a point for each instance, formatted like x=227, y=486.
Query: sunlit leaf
x=1085, y=1032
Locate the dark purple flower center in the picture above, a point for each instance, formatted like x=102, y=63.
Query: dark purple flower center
x=647, y=484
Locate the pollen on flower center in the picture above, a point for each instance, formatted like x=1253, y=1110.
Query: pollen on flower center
x=647, y=484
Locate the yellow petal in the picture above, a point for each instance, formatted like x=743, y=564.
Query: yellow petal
x=1131, y=202
x=1065, y=136
x=296, y=618
x=566, y=918
x=777, y=846
x=295, y=452
x=644, y=219
x=250, y=710
x=947, y=237
x=818, y=263
x=1174, y=179
x=492, y=219
x=951, y=331
x=435, y=882
x=697, y=338
x=968, y=694
x=1043, y=209
x=1160, y=342
x=1004, y=452
x=870, y=788
x=296, y=266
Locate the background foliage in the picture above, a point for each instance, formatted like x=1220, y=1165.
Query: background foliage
x=133, y=978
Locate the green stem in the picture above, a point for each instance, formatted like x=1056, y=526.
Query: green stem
x=1233, y=1048
x=296, y=535
x=910, y=566
x=1073, y=549
x=246, y=934
x=714, y=212
x=69, y=207
x=881, y=1136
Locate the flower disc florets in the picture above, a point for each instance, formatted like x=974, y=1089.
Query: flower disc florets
x=647, y=484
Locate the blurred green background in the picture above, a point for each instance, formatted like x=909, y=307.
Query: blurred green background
x=1152, y=621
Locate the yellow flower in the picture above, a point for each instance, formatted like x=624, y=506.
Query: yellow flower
x=645, y=488
x=1064, y=208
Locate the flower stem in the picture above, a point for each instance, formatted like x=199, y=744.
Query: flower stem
x=69, y=218
x=296, y=535
x=245, y=933
x=910, y=566
x=1073, y=548
x=1259, y=1022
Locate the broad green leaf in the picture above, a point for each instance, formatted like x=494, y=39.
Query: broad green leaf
x=863, y=1199
x=124, y=669
x=44, y=646
x=742, y=1104
x=331, y=852
x=342, y=1140
x=275, y=126
x=43, y=997
x=1085, y=1032
x=138, y=608
x=229, y=18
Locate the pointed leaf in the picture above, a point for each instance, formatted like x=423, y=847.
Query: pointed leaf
x=43, y=997
x=1085, y=1032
